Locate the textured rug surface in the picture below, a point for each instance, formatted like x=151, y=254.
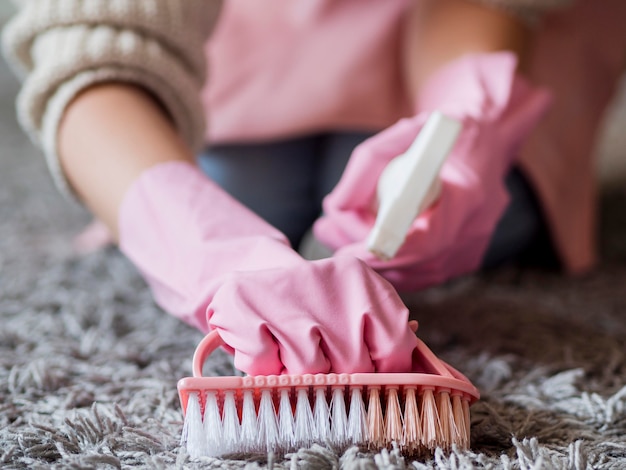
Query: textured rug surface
x=88, y=364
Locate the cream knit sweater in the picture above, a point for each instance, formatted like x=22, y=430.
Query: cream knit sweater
x=60, y=47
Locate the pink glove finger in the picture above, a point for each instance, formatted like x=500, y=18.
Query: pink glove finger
x=333, y=315
x=350, y=209
x=376, y=317
x=343, y=227
x=444, y=242
x=250, y=311
x=357, y=187
x=93, y=237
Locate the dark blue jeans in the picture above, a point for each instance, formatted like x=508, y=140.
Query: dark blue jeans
x=285, y=181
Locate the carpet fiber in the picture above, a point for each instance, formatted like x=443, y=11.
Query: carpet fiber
x=88, y=364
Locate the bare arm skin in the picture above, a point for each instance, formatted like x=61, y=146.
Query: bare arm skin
x=111, y=133
x=438, y=31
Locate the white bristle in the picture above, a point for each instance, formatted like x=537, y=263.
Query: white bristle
x=191, y=397
x=322, y=416
x=230, y=424
x=357, y=418
x=212, y=425
x=339, y=417
x=305, y=425
x=193, y=434
x=249, y=423
x=249, y=427
x=286, y=430
x=268, y=424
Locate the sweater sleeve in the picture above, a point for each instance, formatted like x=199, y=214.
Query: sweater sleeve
x=60, y=47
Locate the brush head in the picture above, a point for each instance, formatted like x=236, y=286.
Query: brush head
x=415, y=411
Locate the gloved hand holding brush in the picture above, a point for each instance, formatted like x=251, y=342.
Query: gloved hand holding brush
x=497, y=109
x=201, y=251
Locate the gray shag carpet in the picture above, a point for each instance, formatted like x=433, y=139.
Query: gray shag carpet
x=89, y=365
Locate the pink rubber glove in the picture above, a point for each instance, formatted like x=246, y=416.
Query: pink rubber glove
x=207, y=258
x=332, y=315
x=95, y=236
x=498, y=109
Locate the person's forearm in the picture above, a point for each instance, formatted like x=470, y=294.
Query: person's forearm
x=438, y=31
x=111, y=133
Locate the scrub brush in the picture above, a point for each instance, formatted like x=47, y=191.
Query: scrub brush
x=416, y=411
x=409, y=184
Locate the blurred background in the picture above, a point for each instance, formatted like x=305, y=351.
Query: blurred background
x=6, y=8
x=611, y=146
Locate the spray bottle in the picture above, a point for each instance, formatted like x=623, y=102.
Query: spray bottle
x=409, y=184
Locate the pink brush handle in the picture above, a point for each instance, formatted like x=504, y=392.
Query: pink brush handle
x=213, y=340
x=209, y=343
x=440, y=376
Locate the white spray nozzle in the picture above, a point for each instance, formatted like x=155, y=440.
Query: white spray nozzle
x=409, y=184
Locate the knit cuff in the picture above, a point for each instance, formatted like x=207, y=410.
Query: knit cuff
x=177, y=26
